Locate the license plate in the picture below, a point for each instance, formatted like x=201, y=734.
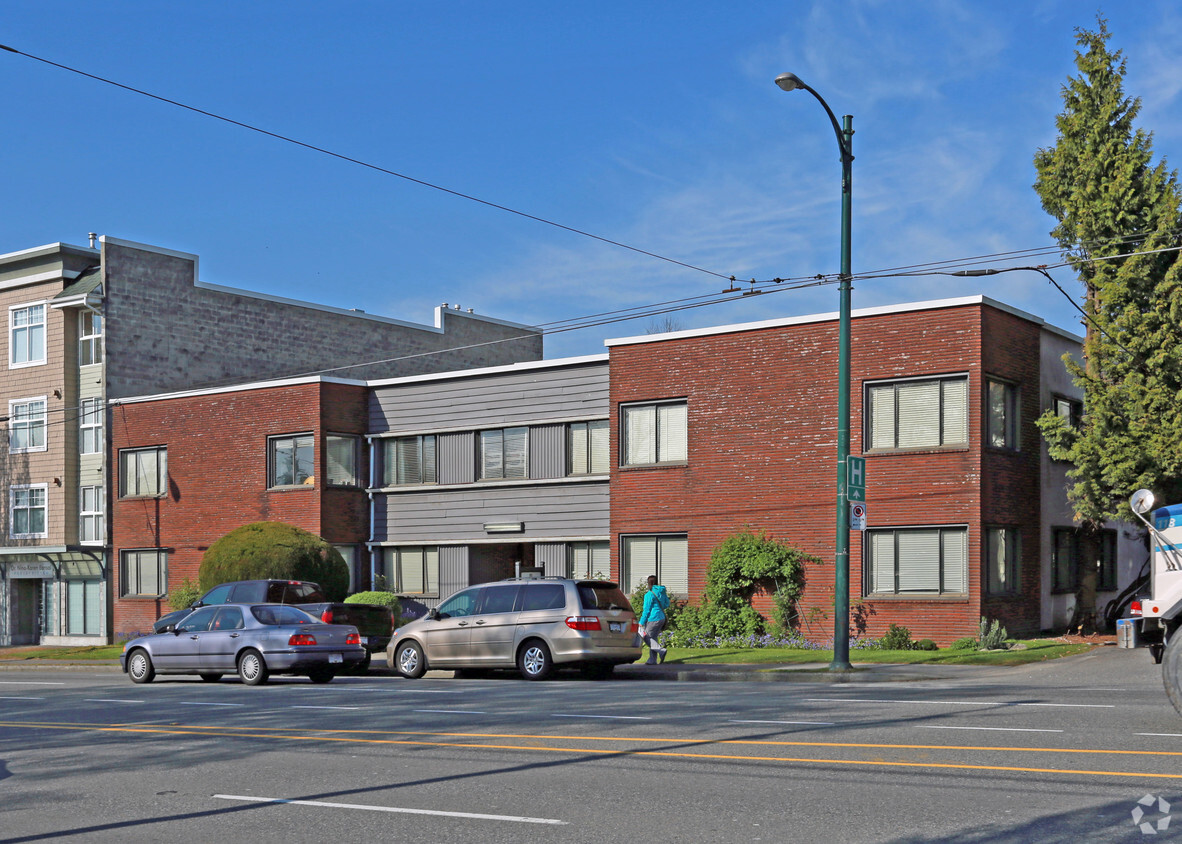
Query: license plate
x=616, y=626
x=334, y=657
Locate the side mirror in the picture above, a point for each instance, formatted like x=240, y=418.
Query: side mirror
x=433, y=613
x=168, y=628
x=1141, y=502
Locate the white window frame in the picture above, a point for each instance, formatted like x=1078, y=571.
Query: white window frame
x=90, y=426
x=664, y=554
x=90, y=338
x=336, y=472
x=906, y=577
x=587, y=448
x=35, y=316
x=412, y=569
x=28, y=499
x=1003, y=560
x=1003, y=411
x=91, y=513
x=498, y=455
x=141, y=556
x=298, y=442
x=156, y=487
x=654, y=433
x=410, y=461
x=20, y=419
x=894, y=421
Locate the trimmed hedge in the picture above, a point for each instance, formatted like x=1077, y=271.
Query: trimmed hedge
x=275, y=550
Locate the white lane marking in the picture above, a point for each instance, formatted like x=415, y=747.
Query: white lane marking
x=204, y=703
x=957, y=702
x=817, y=723
x=998, y=729
x=109, y=700
x=615, y=717
x=20, y=697
x=452, y=711
x=29, y=683
x=325, y=707
x=473, y=815
x=1160, y=735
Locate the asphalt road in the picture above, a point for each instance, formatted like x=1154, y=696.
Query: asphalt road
x=1060, y=751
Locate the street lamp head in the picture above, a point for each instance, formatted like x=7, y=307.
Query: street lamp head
x=789, y=81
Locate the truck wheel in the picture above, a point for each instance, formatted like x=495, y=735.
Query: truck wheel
x=1171, y=669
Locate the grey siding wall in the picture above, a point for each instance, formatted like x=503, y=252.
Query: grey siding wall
x=165, y=333
x=551, y=556
x=456, y=454
x=453, y=569
x=550, y=511
x=493, y=400
x=547, y=451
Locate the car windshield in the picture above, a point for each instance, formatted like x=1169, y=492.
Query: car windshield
x=281, y=615
x=603, y=596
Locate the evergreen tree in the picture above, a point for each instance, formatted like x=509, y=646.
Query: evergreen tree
x=1115, y=207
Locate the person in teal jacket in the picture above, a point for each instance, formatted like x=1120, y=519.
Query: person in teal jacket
x=652, y=619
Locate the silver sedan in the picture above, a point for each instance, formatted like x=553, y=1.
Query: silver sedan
x=252, y=640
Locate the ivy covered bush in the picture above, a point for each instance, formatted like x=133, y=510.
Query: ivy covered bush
x=266, y=550
x=381, y=599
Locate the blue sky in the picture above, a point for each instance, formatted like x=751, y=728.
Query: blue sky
x=655, y=124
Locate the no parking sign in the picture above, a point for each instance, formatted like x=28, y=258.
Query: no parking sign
x=857, y=516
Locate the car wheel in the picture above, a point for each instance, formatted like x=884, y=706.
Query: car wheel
x=139, y=666
x=252, y=668
x=211, y=678
x=409, y=661
x=323, y=676
x=597, y=670
x=534, y=660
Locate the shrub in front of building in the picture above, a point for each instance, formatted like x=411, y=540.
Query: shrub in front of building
x=275, y=550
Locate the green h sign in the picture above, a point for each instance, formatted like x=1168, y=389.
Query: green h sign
x=855, y=478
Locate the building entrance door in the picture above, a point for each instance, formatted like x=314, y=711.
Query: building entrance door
x=26, y=611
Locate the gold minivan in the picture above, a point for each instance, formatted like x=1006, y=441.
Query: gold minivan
x=534, y=624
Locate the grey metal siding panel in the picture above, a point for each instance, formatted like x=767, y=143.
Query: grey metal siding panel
x=456, y=454
x=458, y=515
x=547, y=451
x=551, y=556
x=453, y=569
x=492, y=401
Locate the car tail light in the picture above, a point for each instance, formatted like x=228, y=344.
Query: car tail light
x=583, y=622
x=353, y=639
x=301, y=639
x=326, y=616
x=1135, y=608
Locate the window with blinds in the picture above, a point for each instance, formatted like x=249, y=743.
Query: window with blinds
x=409, y=460
x=588, y=560
x=143, y=472
x=917, y=561
x=666, y=556
x=143, y=573
x=1002, y=555
x=587, y=448
x=342, y=459
x=413, y=570
x=1002, y=415
x=918, y=414
x=504, y=454
x=655, y=433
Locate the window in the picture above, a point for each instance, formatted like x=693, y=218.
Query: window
x=408, y=460
x=342, y=459
x=290, y=459
x=654, y=433
x=28, y=508
x=1064, y=560
x=665, y=556
x=1069, y=410
x=26, y=337
x=914, y=561
x=588, y=560
x=504, y=454
x=350, y=556
x=1076, y=553
x=413, y=570
x=1106, y=561
x=84, y=600
x=90, y=427
x=918, y=414
x=586, y=448
x=143, y=472
x=1002, y=415
x=26, y=426
x=498, y=599
x=1002, y=554
x=543, y=596
x=90, y=338
x=90, y=518
x=144, y=574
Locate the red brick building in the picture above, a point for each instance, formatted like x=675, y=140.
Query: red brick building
x=725, y=428
x=193, y=466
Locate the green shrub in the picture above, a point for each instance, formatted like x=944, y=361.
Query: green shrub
x=896, y=639
x=968, y=643
x=181, y=596
x=992, y=637
x=926, y=645
x=265, y=550
x=381, y=599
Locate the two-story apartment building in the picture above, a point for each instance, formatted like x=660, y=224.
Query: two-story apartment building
x=89, y=325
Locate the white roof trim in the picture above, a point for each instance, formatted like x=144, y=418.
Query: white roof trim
x=524, y=366
x=236, y=388
x=47, y=249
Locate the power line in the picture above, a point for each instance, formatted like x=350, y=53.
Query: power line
x=359, y=162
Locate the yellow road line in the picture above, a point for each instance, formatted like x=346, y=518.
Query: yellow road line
x=272, y=733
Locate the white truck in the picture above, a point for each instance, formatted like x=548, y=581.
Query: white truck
x=1156, y=618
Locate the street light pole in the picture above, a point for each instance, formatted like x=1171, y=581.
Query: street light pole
x=841, y=572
